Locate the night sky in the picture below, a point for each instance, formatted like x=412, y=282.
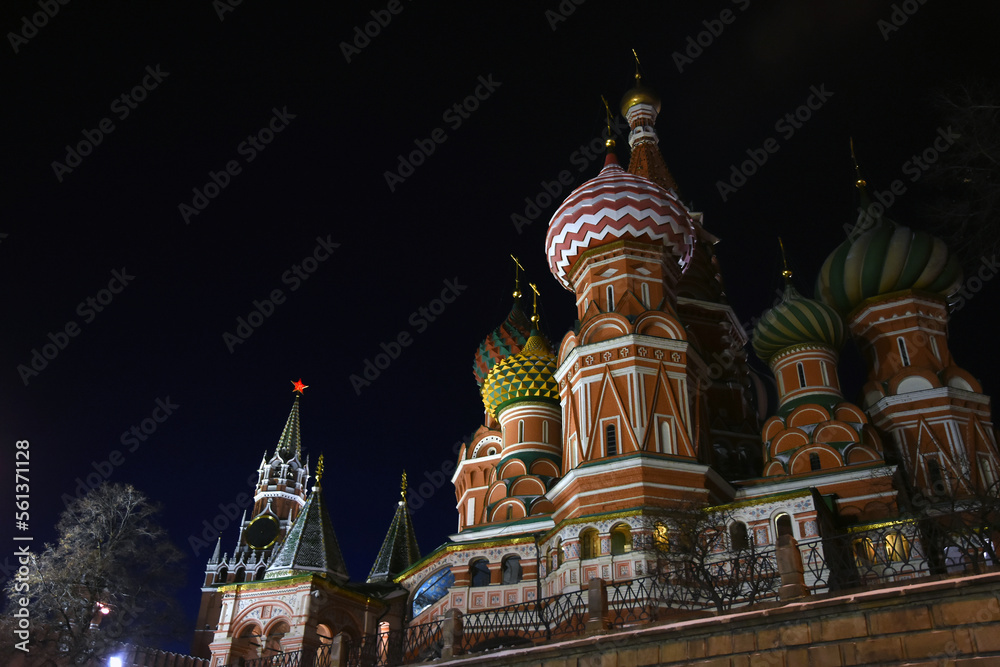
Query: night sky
x=286, y=121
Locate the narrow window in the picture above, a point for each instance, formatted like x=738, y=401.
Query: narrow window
x=864, y=551
x=479, y=573
x=934, y=475
x=666, y=445
x=802, y=375
x=897, y=547
x=590, y=544
x=545, y=432
x=783, y=524
x=611, y=298
x=520, y=431
x=511, y=570
x=510, y=512
x=621, y=540
x=645, y=295
x=934, y=348
x=903, y=354
x=738, y=537
x=610, y=440
x=814, y=463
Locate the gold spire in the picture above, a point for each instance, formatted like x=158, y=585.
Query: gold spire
x=534, y=306
x=609, y=142
x=786, y=273
x=517, y=278
x=638, y=77
x=402, y=488
x=860, y=183
x=319, y=469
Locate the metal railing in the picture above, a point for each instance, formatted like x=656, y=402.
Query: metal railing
x=549, y=618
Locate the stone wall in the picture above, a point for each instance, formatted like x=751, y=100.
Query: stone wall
x=946, y=622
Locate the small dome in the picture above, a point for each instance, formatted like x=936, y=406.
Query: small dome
x=887, y=258
x=640, y=95
x=613, y=206
x=794, y=321
x=528, y=375
x=505, y=340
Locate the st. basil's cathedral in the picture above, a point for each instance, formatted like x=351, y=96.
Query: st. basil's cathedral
x=647, y=403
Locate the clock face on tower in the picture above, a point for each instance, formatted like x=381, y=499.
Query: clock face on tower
x=262, y=532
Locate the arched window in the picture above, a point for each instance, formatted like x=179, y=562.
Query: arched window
x=904, y=355
x=621, y=539
x=645, y=295
x=274, y=636
x=241, y=574
x=511, y=570
x=261, y=571
x=479, y=572
x=934, y=476
x=783, y=524
x=520, y=430
x=610, y=440
x=221, y=575
x=590, y=544
x=897, y=547
x=814, y=463
x=661, y=537
x=559, y=552
x=802, y=374
x=432, y=589
x=864, y=551
x=545, y=432
x=611, y=298
x=739, y=538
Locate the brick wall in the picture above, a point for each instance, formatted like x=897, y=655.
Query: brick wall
x=951, y=621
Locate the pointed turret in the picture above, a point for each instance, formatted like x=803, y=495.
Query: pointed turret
x=399, y=549
x=311, y=545
x=290, y=442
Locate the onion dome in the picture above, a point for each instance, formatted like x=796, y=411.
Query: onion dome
x=505, y=340
x=640, y=94
x=795, y=321
x=887, y=258
x=616, y=205
x=528, y=375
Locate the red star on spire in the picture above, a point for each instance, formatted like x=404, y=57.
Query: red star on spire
x=300, y=387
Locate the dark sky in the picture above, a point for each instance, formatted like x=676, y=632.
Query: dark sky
x=213, y=83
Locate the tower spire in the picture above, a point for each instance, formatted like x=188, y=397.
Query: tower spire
x=786, y=273
x=399, y=549
x=290, y=443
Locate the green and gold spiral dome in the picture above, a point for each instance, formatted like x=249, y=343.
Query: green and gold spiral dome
x=887, y=258
x=528, y=375
x=796, y=321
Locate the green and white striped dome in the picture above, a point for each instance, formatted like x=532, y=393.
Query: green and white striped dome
x=885, y=259
x=795, y=321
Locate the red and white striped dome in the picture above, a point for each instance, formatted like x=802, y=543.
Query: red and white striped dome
x=613, y=206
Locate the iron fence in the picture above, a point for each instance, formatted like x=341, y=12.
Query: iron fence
x=549, y=618
x=415, y=643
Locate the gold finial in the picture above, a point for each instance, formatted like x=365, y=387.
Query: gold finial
x=786, y=273
x=534, y=307
x=638, y=77
x=402, y=487
x=860, y=183
x=319, y=469
x=609, y=142
x=517, y=277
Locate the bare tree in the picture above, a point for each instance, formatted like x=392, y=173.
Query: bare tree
x=708, y=554
x=966, y=176
x=108, y=580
